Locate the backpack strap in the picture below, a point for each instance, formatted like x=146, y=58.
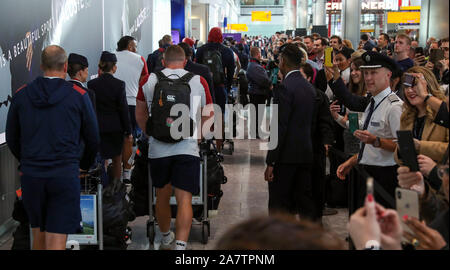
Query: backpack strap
x=160, y=76
x=187, y=77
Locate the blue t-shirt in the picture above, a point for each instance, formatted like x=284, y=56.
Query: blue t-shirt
x=405, y=64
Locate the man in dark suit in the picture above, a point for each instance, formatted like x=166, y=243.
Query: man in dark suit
x=78, y=71
x=289, y=165
x=322, y=139
x=197, y=69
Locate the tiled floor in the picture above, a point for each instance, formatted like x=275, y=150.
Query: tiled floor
x=245, y=195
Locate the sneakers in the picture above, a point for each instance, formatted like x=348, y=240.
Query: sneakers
x=167, y=242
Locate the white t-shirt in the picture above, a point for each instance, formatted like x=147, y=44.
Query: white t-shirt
x=131, y=68
x=158, y=149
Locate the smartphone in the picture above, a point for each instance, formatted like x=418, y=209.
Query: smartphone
x=409, y=80
x=407, y=149
x=369, y=186
x=328, y=57
x=436, y=55
x=353, y=119
x=407, y=202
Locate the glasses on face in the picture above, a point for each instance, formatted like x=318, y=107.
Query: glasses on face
x=442, y=171
x=445, y=49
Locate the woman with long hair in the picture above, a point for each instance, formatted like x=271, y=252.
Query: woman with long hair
x=430, y=139
x=357, y=87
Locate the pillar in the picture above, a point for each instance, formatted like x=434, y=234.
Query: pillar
x=433, y=20
x=319, y=12
x=351, y=21
x=302, y=14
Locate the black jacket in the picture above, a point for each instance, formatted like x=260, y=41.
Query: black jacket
x=228, y=63
x=112, y=106
x=352, y=102
x=202, y=70
x=323, y=124
x=258, y=81
x=442, y=118
x=295, y=98
x=441, y=224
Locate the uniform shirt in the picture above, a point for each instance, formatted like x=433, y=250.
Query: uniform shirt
x=132, y=69
x=385, y=123
x=188, y=146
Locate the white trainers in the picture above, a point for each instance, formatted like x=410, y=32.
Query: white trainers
x=166, y=244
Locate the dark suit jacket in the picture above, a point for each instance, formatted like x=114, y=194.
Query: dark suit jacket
x=112, y=106
x=295, y=99
x=202, y=70
x=323, y=124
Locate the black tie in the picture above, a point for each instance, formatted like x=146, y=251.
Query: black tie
x=366, y=125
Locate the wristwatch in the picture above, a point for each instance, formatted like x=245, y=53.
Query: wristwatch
x=377, y=143
x=427, y=98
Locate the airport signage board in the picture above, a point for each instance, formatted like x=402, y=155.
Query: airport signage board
x=403, y=17
x=261, y=16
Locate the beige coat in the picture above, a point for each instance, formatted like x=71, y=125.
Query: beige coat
x=434, y=141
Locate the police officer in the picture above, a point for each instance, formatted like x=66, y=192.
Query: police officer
x=78, y=71
x=381, y=123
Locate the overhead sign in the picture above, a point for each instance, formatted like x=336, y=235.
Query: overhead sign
x=239, y=27
x=364, y=6
x=261, y=16
x=403, y=17
x=411, y=8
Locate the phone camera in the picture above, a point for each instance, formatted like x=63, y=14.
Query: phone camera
x=399, y=194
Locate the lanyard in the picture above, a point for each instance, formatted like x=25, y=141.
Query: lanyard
x=379, y=105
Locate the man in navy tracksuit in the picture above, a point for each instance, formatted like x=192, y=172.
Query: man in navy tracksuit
x=259, y=85
x=154, y=59
x=47, y=123
x=215, y=39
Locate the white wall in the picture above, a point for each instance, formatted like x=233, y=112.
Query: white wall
x=199, y=13
x=162, y=23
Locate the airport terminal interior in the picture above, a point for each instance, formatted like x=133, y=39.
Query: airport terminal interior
x=326, y=114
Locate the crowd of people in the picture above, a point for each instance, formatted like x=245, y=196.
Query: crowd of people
x=56, y=128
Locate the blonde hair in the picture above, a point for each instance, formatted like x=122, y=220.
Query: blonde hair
x=347, y=43
x=433, y=88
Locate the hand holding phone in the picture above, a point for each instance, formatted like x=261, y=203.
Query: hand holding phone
x=407, y=202
x=328, y=57
x=353, y=122
x=408, y=150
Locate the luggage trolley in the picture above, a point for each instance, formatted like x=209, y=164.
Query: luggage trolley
x=92, y=211
x=200, y=200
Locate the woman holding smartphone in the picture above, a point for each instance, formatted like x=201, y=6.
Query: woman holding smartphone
x=430, y=139
x=356, y=87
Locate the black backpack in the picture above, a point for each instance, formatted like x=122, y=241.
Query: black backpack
x=168, y=92
x=213, y=59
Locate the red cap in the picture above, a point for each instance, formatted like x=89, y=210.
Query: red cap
x=215, y=35
x=189, y=42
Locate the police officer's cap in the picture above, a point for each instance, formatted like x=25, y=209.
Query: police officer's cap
x=108, y=57
x=78, y=59
x=377, y=60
